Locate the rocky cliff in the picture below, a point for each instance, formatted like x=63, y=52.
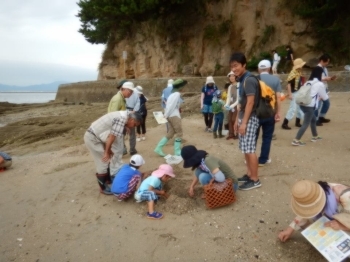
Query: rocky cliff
x=250, y=26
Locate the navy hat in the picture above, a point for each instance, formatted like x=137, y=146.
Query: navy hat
x=191, y=156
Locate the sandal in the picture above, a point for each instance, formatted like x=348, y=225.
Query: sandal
x=155, y=215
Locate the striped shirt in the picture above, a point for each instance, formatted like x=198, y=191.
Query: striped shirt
x=113, y=122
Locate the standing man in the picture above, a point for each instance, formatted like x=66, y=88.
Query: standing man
x=100, y=137
x=166, y=92
x=321, y=73
x=276, y=61
x=289, y=60
x=118, y=103
x=268, y=124
x=247, y=122
x=173, y=115
x=133, y=105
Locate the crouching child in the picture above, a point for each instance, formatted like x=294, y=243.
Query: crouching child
x=151, y=189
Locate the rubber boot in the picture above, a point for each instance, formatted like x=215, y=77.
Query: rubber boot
x=220, y=134
x=297, y=122
x=285, y=124
x=177, y=147
x=215, y=135
x=102, y=180
x=161, y=144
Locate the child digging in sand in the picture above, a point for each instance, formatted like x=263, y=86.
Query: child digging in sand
x=151, y=188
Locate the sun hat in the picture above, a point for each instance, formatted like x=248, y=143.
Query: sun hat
x=298, y=63
x=121, y=82
x=209, y=80
x=231, y=73
x=139, y=89
x=192, y=156
x=264, y=64
x=137, y=160
x=308, y=199
x=178, y=84
x=170, y=82
x=163, y=169
x=129, y=85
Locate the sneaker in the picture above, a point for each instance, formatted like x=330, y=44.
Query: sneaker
x=138, y=139
x=274, y=137
x=143, y=138
x=267, y=162
x=210, y=130
x=133, y=152
x=298, y=143
x=243, y=179
x=250, y=185
x=206, y=129
x=316, y=138
x=155, y=215
x=106, y=191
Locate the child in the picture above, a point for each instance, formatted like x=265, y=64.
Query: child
x=207, y=168
x=151, y=188
x=217, y=106
x=143, y=111
x=128, y=178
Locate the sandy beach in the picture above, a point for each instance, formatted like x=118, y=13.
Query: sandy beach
x=51, y=208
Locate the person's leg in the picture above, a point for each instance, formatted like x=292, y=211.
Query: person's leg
x=324, y=110
x=132, y=141
x=308, y=115
x=216, y=122
x=143, y=126
x=177, y=126
x=290, y=114
x=313, y=126
x=268, y=127
x=131, y=188
x=230, y=125
x=116, y=161
x=220, y=123
x=210, y=120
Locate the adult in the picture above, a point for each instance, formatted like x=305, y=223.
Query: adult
x=133, y=105
x=321, y=73
x=100, y=137
x=5, y=161
x=289, y=59
x=166, y=92
x=118, y=103
x=141, y=129
x=268, y=124
x=317, y=92
x=294, y=83
x=206, y=168
x=247, y=122
x=311, y=200
x=206, y=99
x=172, y=114
x=231, y=105
x=276, y=61
x=128, y=178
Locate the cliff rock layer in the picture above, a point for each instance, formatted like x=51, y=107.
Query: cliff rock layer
x=249, y=26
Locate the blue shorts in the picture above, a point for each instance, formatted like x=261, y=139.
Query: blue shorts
x=207, y=109
x=146, y=196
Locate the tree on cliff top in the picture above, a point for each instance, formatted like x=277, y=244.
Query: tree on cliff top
x=102, y=20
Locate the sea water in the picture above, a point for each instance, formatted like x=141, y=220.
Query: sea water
x=26, y=97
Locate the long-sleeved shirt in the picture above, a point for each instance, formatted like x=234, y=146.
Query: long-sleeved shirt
x=165, y=94
x=173, y=105
x=317, y=90
x=133, y=102
x=232, y=94
x=117, y=103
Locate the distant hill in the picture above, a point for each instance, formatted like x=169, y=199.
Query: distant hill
x=50, y=87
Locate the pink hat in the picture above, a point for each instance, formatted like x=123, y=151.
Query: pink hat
x=164, y=169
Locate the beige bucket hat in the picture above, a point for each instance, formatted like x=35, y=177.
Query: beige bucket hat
x=298, y=63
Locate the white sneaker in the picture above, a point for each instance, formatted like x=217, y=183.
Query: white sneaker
x=138, y=139
x=143, y=138
x=267, y=162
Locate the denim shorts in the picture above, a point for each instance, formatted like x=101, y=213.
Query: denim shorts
x=146, y=196
x=207, y=109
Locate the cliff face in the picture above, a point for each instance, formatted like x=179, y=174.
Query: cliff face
x=249, y=26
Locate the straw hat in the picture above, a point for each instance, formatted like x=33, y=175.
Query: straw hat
x=298, y=63
x=308, y=199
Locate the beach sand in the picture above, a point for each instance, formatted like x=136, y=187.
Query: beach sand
x=51, y=208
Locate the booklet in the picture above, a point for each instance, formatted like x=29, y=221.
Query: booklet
x=334, y=245
x=173, y=160
x=158, y=115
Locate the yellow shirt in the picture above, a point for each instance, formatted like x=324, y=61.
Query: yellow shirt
x=117, y=103
x=224, y=96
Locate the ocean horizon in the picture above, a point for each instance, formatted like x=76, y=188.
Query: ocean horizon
x=27, y=97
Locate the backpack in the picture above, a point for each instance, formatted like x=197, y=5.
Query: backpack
x=303, y=96
x=216, y=107
x=266, y=106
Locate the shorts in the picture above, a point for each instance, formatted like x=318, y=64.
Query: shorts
x=247, y=143
x=207, y=109
x=146, y=196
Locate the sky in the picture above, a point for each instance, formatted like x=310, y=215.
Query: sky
x=40, y=43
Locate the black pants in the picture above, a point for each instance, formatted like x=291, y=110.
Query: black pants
x=142, y=126
x=208, y=119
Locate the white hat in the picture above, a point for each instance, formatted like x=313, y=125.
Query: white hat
x=209, y=80
x=264, y=64
x=231, y=73
x=170, y=82
x=129, y=85
x=137, y=160
x=139, y=89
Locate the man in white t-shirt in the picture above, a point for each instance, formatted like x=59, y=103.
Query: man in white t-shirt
x=276, y=60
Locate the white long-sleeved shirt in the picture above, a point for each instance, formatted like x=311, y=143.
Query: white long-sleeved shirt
x=229, y=97
x=173, y=105
x=133, y=101
x=317, y=91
